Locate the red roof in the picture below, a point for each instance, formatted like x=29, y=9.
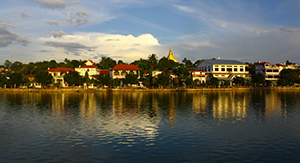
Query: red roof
x=91, y=62
x=59, y=69
x=126, y=67
x=104, y=71
x=278, y=64
x=88, y=66
x=261, y=63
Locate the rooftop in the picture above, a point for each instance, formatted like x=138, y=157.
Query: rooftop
x=125, y=67
x=223, y=61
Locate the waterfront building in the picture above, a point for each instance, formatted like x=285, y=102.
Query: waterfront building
x=120, y=71
x=90, y=68
x=58, y=75
x=199, y=76
x=224, y=69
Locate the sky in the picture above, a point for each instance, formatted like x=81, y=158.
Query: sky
x=127, y=30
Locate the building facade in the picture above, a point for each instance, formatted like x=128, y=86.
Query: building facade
x=58, y=75
x=224, y=69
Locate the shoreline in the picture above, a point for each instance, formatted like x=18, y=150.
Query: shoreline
x=147, y=90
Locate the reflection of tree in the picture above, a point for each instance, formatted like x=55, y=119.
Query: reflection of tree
x=88, y=106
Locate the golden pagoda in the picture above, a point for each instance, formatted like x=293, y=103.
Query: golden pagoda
x=171, y=56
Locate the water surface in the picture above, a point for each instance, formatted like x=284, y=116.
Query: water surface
x=219, y=126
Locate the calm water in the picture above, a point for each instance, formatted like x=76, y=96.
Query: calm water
x=251, y=126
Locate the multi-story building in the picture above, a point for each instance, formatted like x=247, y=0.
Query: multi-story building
x=58, y=75
x=120, y=71
x=224, y=69
x=271, y=72
x=90, y=68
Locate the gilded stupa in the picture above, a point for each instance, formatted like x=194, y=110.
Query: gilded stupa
x=171, y=56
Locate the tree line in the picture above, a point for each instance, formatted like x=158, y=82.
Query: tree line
x=151, y=64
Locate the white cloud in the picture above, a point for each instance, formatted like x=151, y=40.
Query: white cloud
x=91, y=45
x=24, y=14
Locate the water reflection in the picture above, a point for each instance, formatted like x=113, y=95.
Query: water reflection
x=147, y=125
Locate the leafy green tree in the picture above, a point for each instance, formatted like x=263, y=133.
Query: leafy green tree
x=15, y=79
x=258, y=78
x=105, y=79
x=7, y=64
x=163, y=79
x=43, y=77
x=131, y=79
x=152, y=62
x=213, y=81
x=289, y=75
x=116, y=82
x=107, y=62
x=188, y=63
x=182, y=71
x=2, y=80
x=189, y=81
x=73, y=78
x=239, y=81
x=165, y=63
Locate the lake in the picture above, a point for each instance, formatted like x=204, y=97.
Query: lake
x=211, y=126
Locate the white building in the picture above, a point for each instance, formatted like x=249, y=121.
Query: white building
x=89, y=67
x=58, y=75
x=224, y=69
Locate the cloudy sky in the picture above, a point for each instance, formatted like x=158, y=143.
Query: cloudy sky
x=248, y=31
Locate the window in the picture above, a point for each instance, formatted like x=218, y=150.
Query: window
x=216, y=69
x=276, y=70
x=235, y=69
x=241, y=69
x=229, y=69
x=131, y=72
x=269, y=70
x=124, y=73
x=276, y=76
x=116, y=72
x=270, y=76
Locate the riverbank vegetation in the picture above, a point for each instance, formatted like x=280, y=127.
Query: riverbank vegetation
x=19, y=75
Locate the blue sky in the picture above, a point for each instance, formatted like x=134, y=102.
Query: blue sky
x=248, y=31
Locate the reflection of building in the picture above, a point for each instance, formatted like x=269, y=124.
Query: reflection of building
x=199, y=103
x=88, y=105
x=230, y=105
x=273, y=104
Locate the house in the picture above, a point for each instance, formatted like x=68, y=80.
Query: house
x=199, y=76
x=29, y=77
x=58, y=75
x=90, y=68
x=224, y=69
x=120, y=71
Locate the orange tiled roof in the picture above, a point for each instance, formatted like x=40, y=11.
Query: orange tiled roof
x=59, y=69
x=261, y=63
x=28, y=76
x=104, y=71
x=126, y=67
x=88, y=66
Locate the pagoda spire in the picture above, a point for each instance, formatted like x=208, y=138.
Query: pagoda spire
x=171, y=56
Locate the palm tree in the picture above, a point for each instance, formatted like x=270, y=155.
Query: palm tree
x=152, y=61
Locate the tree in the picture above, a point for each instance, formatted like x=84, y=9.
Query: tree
x=213, y=81
x=152, y=61
x=258, y=78
x=43, y=77
x=239, y=80
x=7, y=64
x=131, y=79
x=163, y=79
x=187, y=62
x=2, y=81
x=73, y=78
x=107, y=62
x=165, y=63
x=15, y=79
x=105, y=79
x=289, y=76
